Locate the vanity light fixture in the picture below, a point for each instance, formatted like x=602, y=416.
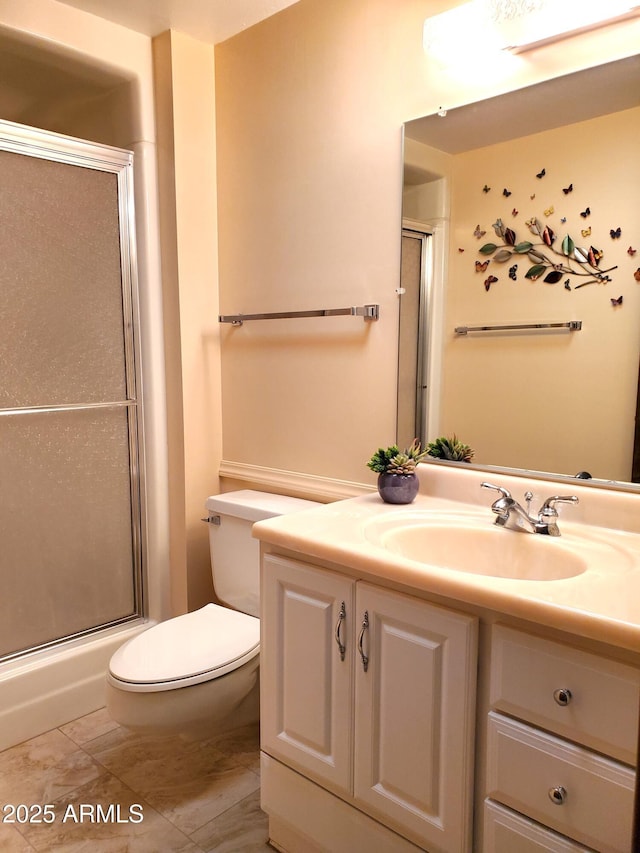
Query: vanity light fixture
x=482, y=27
x=554, y=21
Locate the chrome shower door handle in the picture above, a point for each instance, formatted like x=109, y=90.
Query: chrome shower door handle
x=365, y=627
x=342, y=615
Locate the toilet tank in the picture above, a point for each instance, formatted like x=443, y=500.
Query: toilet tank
x=235, y=554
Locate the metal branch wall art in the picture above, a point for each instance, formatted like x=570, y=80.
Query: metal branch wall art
x=576, y=262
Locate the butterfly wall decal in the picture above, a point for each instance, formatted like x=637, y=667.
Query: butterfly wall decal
x=595, y=256
x=549, y=211
x=489, y=281
x=567, y=190
x=514, y=212
x=485, y=189
x=631, y=251
x=541, y=173
x=506, y=193
x=513, y=272
x=481, y=265
x=567, y=284
x=478, y=232
x=615, y=233
x=586, y=212
x=617, y=301
x=586, y=232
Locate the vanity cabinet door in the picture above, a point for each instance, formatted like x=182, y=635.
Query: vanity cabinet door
x=415, y=713
x=306, y=680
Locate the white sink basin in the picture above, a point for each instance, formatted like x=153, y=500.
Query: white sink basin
x=475, y=545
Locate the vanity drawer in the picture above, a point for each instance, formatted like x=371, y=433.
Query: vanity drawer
x=569, y=789
x=506, y=831
x=599, y=707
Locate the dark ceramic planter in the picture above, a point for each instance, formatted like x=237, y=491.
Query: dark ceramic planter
x=398, y=488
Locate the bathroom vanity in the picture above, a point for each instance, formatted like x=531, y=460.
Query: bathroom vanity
x=492, y=707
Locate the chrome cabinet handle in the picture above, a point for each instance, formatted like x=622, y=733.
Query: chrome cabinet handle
x=558, y=795
x=341, y=617
x=562, y=696
x=365, y=626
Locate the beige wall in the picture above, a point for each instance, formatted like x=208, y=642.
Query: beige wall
x=310, y=106
x=560, y=402
x=184, y=74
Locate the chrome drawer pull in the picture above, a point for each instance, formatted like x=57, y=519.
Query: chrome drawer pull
x=365, y=626
x=558, y=795
x=341, y=617
x=562, y=696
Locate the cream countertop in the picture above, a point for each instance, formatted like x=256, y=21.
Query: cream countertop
x=602, y=603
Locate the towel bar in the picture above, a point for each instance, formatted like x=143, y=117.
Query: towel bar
x=369, y=312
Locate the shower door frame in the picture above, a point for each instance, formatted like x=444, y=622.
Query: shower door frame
x=46, y=145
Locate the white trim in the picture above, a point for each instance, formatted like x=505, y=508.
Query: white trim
x=293, y=482
x=47, y=145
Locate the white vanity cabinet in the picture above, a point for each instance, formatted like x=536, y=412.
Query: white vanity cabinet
x=561, y=745
x=368, y=707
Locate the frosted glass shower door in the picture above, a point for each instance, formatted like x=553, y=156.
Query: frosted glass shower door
x=70, y=519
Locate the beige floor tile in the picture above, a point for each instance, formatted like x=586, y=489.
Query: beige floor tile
x=12, y=842
x=244, y=827
x=243, y=744
x=80, y=826
x=89, y=727
x=207, y=790
x=188, y=782
x=43, y=769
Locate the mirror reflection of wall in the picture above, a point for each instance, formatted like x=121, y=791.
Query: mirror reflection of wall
x=550, y=401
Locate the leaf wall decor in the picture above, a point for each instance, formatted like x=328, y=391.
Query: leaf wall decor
x=502, y=255
x=550, y=262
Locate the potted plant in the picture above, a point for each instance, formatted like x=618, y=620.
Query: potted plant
x=450, y=448
x=396, y=470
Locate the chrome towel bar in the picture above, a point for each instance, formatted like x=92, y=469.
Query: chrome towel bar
x=571, y=326
x=369, y=312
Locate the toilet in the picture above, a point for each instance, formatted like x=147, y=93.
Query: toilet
x=198, y=674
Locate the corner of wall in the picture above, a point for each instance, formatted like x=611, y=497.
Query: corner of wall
x=185, y=109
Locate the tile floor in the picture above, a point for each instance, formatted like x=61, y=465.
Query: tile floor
x=193, y=797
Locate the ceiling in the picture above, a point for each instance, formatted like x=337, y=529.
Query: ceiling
x=211, y=21
x=607, y=88
x=32, y=81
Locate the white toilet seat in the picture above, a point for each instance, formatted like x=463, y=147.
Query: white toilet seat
x=186, y=650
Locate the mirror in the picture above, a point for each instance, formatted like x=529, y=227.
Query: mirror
x=522, y=211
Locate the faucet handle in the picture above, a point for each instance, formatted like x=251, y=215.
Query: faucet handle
x=548, y=508
x=504, y=492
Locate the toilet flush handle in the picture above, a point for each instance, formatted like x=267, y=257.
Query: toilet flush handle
x=212, y=519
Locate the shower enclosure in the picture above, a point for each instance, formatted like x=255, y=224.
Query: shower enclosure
x=71, y=521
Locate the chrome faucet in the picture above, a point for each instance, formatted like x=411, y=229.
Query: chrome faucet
x=510, y=514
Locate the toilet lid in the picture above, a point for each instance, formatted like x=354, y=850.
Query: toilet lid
x=186, y=650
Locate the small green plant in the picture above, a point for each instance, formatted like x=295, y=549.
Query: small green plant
x=450, y=448
x=394, y=461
